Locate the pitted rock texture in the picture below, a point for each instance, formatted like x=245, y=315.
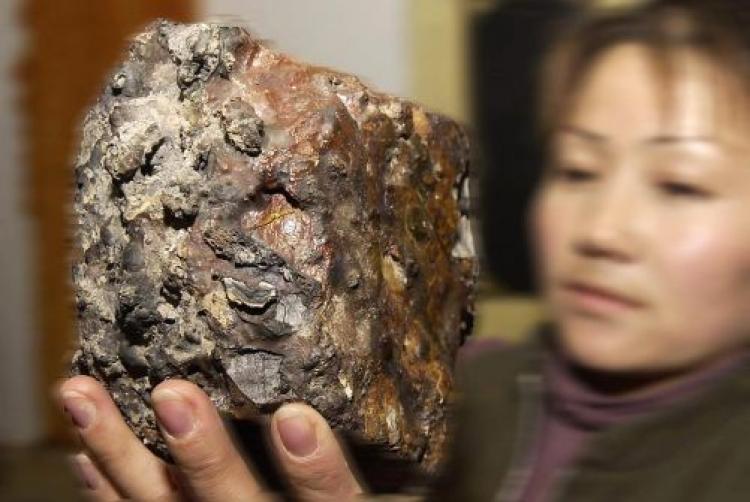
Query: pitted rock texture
x=272, y=232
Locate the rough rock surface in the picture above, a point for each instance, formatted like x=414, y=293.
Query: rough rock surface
x=272, y=232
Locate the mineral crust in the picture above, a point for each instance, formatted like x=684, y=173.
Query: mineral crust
x=273, y=232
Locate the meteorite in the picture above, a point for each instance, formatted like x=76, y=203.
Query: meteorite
x=273, y=232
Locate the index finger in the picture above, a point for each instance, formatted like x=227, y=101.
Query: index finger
x=207, y=461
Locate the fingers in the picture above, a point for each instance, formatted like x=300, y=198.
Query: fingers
x=311, y=456
x=96, y=486
x=133, y=470
x=209, y=465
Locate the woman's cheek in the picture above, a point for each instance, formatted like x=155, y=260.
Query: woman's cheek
x=706, y=274
x=550, y=224
x=542, y=233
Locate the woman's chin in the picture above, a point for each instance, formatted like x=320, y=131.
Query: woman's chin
x=608, y=350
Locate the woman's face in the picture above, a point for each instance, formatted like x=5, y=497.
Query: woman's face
x=647, y=197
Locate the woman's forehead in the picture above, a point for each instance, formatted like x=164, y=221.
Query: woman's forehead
x=629, y=95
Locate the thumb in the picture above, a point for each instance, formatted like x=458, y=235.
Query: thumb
x=311, y=456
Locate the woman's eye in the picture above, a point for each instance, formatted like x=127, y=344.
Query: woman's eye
x=683, y=189
x=573, y=174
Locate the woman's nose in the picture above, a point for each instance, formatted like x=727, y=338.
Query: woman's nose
x=607, y=223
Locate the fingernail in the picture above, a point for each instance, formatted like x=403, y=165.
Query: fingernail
x=80, y=409
x=173, y=412
x=86, y=471
x=297, y=432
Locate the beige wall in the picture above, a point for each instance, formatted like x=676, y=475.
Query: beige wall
x=437, y=36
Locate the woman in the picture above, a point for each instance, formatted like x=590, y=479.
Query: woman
x=636, y=389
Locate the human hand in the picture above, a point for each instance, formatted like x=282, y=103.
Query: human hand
x=208, y=467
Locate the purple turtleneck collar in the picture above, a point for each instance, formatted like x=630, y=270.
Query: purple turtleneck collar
x=572, y=397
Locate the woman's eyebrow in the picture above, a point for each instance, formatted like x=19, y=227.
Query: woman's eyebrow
x=667, y=139
x=658, y=140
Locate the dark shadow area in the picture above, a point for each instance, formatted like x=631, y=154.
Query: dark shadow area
x=506, y=48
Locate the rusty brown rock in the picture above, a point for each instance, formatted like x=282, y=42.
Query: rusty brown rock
x=272, y=232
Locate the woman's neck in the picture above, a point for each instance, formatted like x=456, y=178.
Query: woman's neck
x=634, y=384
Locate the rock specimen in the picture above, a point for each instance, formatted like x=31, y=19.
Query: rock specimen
x=272, y=232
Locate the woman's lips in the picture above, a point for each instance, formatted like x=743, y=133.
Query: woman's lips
x=598, y=299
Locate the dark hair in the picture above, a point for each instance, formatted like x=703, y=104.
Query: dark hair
x=716, y=29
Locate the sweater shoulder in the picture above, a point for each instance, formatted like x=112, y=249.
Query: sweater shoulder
x=492, y=367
